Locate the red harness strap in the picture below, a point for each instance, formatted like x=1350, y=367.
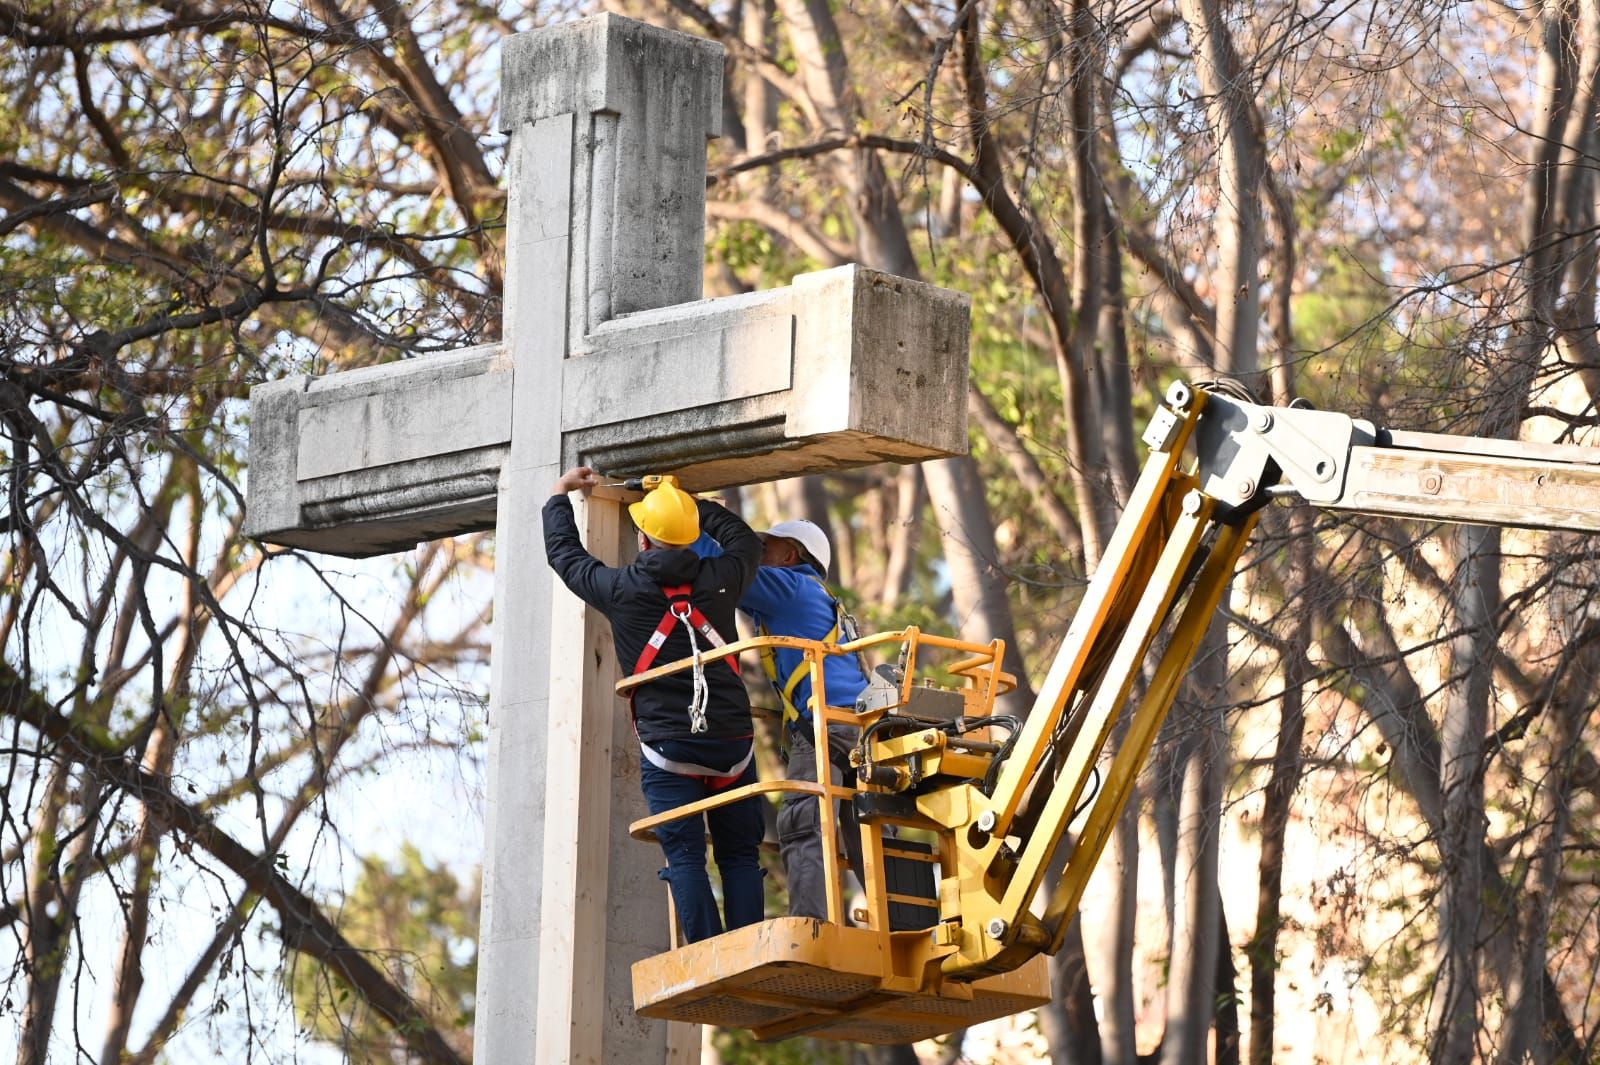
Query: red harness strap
x=679, y=608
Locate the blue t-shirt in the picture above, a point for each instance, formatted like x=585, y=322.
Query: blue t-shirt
x=791, y=601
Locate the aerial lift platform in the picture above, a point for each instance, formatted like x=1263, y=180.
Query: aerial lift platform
x=950, y=933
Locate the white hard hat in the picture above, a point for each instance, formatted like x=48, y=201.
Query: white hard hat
x=812, y=540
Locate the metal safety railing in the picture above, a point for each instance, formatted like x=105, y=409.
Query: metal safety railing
x=981, y=671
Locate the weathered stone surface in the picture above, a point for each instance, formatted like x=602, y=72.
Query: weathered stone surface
x=379, y=459
x=645, y=101
x=844, y=368
x=610, y=358
x=880, y=374
x=527, y=709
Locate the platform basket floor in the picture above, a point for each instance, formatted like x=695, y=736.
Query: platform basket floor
x=794, y=976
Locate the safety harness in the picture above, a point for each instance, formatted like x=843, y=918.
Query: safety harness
x=681, y=611
x=714, y=779
x=844, y=625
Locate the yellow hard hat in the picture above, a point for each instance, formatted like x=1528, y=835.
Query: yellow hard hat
x=667, y=514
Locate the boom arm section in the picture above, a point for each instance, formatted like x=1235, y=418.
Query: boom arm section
x=1245, y=452
x=1215, y=461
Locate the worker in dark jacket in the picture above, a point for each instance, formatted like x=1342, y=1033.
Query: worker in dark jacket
x=694, y=726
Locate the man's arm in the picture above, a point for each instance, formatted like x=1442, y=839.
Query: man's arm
x=588, y=578
x=741, y=547
x=706, y=547
x=773, y=591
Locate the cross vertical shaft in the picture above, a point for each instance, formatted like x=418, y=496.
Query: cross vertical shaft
x=591, y=234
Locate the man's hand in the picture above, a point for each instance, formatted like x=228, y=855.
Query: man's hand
x=578, y=479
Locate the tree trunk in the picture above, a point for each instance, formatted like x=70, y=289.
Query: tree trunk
x=145, y=849
x=1526, y=990
x=53, y=909
x=1454, y=1013
x=1072, y=332
x=1262, y=949
x=1193, y=967
x=1226, y=995
x=955, y=491
x=44, y=942
x=904, y=536
x=1118, y=1038
x=1115, y=379
x=1077, y=361
x=1230, y=105
x=1068, y=1022
x=880, y=233
x=760, y=110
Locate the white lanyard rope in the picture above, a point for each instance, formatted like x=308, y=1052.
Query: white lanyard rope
x=702, y=694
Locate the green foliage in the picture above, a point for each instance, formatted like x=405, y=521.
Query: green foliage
x=421, y=924
x=751, y=253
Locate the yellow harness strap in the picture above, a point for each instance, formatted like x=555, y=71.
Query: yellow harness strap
x=787, y=688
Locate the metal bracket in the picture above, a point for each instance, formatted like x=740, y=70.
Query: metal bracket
x=1162, y=432
x=1236, y=441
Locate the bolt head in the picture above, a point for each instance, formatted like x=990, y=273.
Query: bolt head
x=996, y=928
x=1261, y=421
x=1191, y=503
x=1247, y=488
x=987, y=821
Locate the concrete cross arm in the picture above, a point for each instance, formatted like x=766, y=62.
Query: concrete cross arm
x=843, y=368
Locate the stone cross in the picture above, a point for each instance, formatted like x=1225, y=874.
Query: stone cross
x=610, y=358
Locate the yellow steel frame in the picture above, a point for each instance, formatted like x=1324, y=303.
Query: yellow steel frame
x=890, y=985
x=985, y=680
x=1169, y=531
x=993, y=849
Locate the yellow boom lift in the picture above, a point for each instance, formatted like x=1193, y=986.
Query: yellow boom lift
x=950, y=934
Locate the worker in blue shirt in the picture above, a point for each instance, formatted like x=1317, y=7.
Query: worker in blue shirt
x=788, y=598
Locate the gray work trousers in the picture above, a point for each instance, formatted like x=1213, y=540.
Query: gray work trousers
x=799, y=824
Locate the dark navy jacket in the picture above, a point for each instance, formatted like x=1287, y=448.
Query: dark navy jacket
x=631, y=598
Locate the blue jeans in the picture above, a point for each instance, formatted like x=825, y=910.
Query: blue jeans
x=736, y=831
